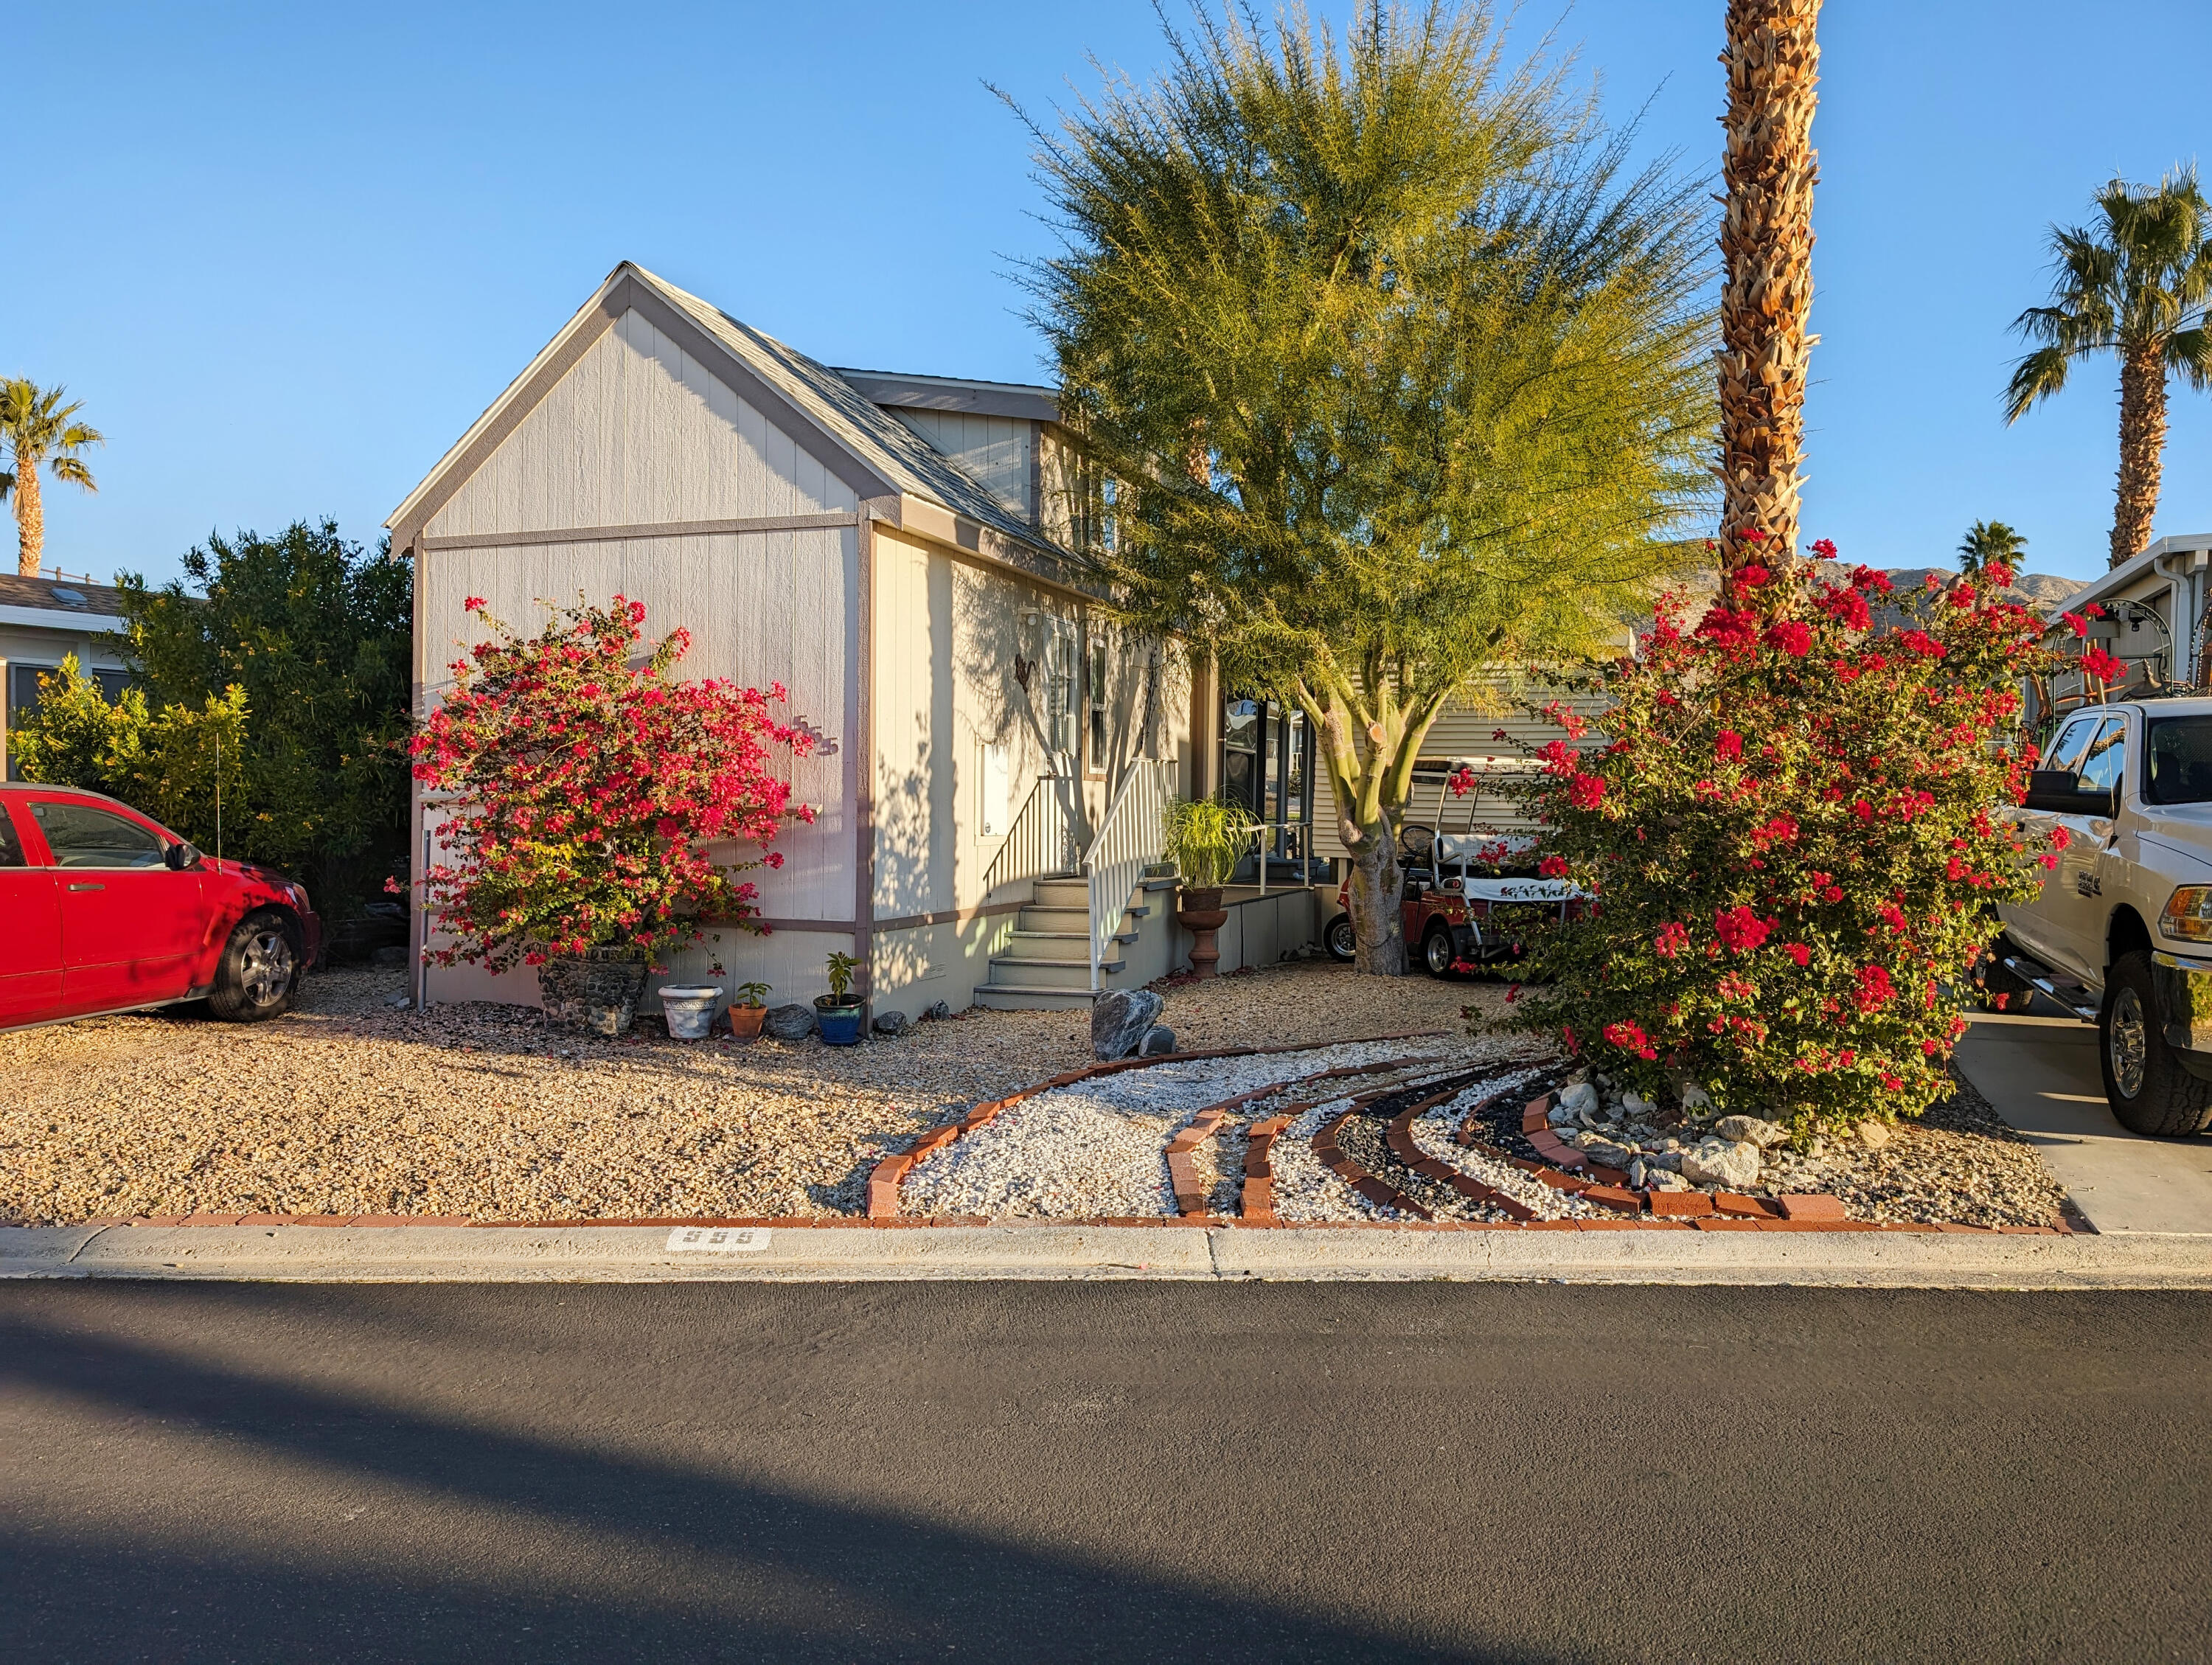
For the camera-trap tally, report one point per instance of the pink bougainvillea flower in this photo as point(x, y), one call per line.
point(472, 604)
point(1799, 952)
point(1586, 791)
point(1553, 866)
point(1741, 929)
point(1728, 745)
point(2102, 666)
point(1673, 939)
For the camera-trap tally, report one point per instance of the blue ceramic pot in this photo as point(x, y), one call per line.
point(840, 1024)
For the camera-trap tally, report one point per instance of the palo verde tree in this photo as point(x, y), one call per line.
point(1399, 375)
point(2138, 285)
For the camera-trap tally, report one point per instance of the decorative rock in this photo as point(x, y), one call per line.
point(891, 1023)
point(1561, 1116)
point(940, 1009)
point(1605, 1150)
point(1578, 1097)
point(1639, 1176)
point(1695, 1098)
point(1159, 1041)
point(1669, 1161)
point(1732, 1164)
point(397, 1000)
point(1121, 1020)
point(1764, 1135)
point(1658, 1179)
point(1636, 1105)
point(1872, 1134)
point(789, 1023)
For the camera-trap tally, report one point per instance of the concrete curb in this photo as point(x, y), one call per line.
point(642, 1254)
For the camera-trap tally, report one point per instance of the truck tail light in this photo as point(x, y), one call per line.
point(2189, 914)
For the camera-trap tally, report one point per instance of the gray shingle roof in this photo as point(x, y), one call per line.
point(894, 450)
point(55, 593)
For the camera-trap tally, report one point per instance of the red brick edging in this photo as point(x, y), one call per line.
point(883, 1179)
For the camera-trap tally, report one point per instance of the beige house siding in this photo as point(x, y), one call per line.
point(998, 451)
point(638, 433)
point(43, 649)
point(947, 633)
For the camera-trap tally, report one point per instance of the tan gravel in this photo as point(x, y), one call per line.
point(346, 1106)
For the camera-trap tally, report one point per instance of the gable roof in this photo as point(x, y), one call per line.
point(892, 456)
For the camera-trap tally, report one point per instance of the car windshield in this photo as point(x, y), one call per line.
point(2179, 769)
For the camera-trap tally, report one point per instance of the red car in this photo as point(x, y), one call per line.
point(102, 909)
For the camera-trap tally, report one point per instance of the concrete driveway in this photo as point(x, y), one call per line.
point(2039, 1073)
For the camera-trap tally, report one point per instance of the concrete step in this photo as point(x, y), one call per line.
point(1064, 893)
point(1053, 921)
point(1049, 945)
point(1009, 997)
point(1012, 969)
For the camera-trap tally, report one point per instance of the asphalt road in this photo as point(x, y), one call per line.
point(1100, 1471)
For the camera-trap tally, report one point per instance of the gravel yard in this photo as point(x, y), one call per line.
point(347, 1106)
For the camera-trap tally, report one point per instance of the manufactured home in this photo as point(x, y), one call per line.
point(43, 620)
point(897, 551)
point(2156, 609)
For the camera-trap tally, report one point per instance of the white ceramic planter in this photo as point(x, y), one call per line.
point(691, 1012)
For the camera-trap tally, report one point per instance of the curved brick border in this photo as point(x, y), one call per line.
point(883, 1179)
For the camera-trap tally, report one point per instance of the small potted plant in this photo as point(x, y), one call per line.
point(838, 1012)
point(1206, 838)
point(749, 1010)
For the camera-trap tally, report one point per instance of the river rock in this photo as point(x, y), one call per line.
point(1578, 1097)
point(789, 1023)
point(1732, 1163)
point(1764, 1135)
point(1159, 1041)
point(1121, 1020)
point(1635, 1105)
point(891, 1023)
point(1659, 1179)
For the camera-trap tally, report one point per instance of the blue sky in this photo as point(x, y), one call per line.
point(286, 254)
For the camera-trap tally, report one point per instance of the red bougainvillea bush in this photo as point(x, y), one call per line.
point(588, 787)
point(1790, 837)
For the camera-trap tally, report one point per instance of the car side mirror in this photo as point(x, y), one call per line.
point(2058, 792)
point(178, 857)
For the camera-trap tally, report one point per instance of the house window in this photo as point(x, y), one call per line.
point(1059, 693)
point(1097, 705)
point(1267, 768)
point(23, 695)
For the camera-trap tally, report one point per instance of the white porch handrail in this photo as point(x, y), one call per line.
point(1129, 839)
point(1042, 841)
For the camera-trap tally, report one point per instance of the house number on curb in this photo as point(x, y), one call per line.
point(718, 1240)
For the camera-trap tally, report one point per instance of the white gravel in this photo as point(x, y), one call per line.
point(1432, 1136)
point(1100, 1147)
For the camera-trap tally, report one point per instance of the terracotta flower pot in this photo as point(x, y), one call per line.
point(596, 990)
point(1202, 914)
point(746, 1021)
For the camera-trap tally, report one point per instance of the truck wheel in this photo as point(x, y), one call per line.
point(1342, 943)
point(259, 971)
point(2149, 1089)
point(1436, 951)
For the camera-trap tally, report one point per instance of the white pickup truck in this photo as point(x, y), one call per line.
point(2122, 934)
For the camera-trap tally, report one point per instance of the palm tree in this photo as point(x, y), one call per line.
point(2135, 286)
point(1773, 60)
point(1989, 542)
point(39, 429)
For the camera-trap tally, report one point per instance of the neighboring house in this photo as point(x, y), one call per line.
point(42, 621)
point(2155, 623)
point(894, 549)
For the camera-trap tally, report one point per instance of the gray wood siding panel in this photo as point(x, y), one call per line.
point(761, 607)
point(640, 432)
point(995, 450)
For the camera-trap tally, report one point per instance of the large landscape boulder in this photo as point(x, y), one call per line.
point(789, 1023)
point(1121, 1020)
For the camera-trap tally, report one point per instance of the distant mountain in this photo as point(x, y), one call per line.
point(2043, 591)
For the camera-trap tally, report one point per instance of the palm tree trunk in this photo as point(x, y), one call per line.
point(1773, 58)
point(2142, 444)
point(30, 519)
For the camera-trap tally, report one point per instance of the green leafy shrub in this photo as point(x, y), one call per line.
point(166, 763)
point(1795, 838)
